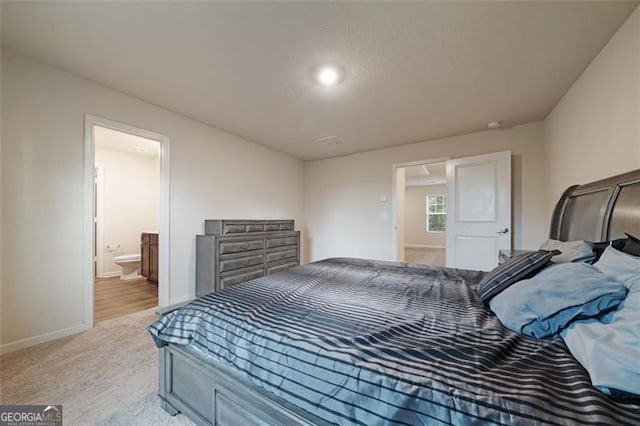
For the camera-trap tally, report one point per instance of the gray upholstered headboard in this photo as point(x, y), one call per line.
point(599, 211)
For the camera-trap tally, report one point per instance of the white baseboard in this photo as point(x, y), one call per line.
point(41, 338)
point(110, 274)
point(178, 300)
point(422, 246)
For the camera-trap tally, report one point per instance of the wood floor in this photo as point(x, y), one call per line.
point(114, 297)
point(428, 256)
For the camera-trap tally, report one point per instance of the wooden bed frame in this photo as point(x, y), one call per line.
point(210, 394)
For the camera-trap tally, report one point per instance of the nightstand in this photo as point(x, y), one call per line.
point(504, 255)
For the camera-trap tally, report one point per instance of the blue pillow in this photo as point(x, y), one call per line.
point(571, 251)
point(515, 269)
point(620, 266)
point(545, 304)
point(609, 348)
point(600, 247)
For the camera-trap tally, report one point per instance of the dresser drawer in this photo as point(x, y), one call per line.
point(289, 252)
point(234, 251)
point(280, 242)
point(270, 227)
point(227, 247)
point(277, 267)
point(233, 228)
point(240, 276)
point(235, 262)
point(255, 227)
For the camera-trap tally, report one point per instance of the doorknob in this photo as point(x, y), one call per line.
point(503, 231)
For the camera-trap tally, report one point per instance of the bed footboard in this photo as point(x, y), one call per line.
point(210, 396)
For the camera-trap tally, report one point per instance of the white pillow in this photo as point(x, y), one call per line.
point(572, 251)
point(621, 266)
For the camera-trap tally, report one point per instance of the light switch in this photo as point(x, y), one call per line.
point(384, 198)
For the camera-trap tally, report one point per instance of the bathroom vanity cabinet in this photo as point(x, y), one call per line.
point(149, 256)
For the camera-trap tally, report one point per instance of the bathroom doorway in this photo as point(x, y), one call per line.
point(129, 220)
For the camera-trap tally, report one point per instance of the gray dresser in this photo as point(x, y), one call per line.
point(235, 251)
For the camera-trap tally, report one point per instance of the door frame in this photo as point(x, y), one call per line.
point(164, 214)
point(394, 197)
point(99, 221)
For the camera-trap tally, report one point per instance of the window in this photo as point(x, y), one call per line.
point(436, 213)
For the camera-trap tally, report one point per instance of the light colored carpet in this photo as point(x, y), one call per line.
point(105, 376)
point(427, 256)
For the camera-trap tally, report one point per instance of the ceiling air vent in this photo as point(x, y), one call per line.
point(330, 141)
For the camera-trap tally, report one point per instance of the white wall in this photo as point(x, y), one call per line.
point(213, 175)
point(416, 216)
point(343, 211)
point(401, 178)
point(131, 202)
point(594, 131)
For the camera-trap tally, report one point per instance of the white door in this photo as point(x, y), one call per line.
point(478, 210)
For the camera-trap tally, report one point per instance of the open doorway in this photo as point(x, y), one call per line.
point(473, 213)
point(126, 215)
point(425, 210)
point(127, 242)
point(421, 208)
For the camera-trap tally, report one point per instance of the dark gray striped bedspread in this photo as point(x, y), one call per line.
point(362, 342)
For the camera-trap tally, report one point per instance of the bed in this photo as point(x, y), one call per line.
point(353, 341)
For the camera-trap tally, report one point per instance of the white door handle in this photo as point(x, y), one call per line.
point(503, 231)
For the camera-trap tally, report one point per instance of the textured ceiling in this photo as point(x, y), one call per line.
point(417, 176)
point(414, 70)
point(120, 141)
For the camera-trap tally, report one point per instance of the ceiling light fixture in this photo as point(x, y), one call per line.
point(493, 124)
point(330, 141)
point(328, 75)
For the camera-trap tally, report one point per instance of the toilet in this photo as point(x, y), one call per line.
point(129, 265)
